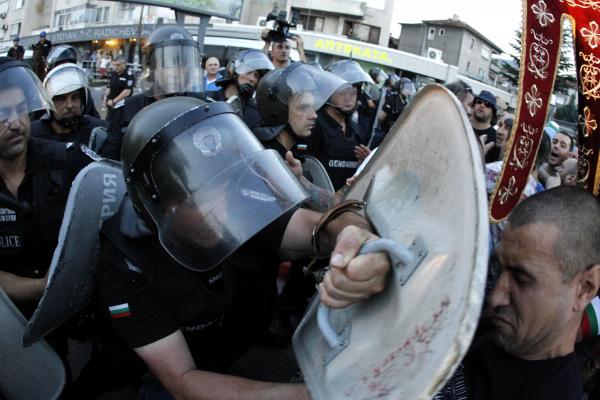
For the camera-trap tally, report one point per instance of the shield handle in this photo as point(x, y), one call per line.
point(404, 260)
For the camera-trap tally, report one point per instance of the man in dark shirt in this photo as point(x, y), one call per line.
point(484, 112)
point(35, 172)
point(43, 45)
point(67, 86)
point(17, 51)
point(549, 273)
point(121, 85)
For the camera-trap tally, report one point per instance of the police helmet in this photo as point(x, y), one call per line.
point(279, 87)
point(18, 76)
point(61, 54)
point(246, 61)
point(66, 78)
point(172, 63)
point(197, 173)
point(406, 87)
point(350, 71)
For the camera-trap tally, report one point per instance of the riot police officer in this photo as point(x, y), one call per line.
point(172, 67)
point(35, 177)
point(243, 73)
point(67, 85)
point(395, 101)
point(335, 136)
point(183, 272)
point(288, 99)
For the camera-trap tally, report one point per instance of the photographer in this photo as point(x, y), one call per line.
point(277, 45)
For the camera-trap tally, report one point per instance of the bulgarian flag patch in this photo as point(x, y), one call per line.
point(589, 324)
point(119, 311)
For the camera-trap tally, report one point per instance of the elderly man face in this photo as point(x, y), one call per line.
point(212, 66)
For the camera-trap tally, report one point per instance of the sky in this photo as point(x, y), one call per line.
point(495, 19)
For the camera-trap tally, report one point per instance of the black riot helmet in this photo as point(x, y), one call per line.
point(172, 63)
point(197, 173)
point(21, 91)
point(280, 87)
point(352, 72)
point(61, 54)
point(246, 61)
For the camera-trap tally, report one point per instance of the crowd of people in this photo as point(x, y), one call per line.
point(218, 203)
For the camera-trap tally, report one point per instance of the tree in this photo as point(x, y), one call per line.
point(565, 77)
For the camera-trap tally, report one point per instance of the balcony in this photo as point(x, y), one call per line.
point(344, 7)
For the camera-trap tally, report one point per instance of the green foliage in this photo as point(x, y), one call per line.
point(568, 112)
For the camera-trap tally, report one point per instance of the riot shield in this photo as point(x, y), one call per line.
point(95, 196)
point(35, 372)
point(426, 195)
point(317, 172)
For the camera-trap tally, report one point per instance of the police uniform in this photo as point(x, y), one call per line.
point(150, 296)
point(366, 118)
point(120, 82)
point(334, 148)
point(44, 47)
point(393, 107)
point(27, 242)
point(42, 128)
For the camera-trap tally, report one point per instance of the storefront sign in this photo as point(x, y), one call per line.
point(230, 9)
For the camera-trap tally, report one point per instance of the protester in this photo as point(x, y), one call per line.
point(549, 273)
point(211, 74)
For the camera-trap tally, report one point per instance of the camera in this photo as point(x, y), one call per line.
point(282, 26)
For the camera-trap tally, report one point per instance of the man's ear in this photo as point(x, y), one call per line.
point(588, 286)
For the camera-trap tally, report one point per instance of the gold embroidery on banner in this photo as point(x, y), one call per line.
point(589, 76)
point(507, 191)
point(539, 57)
point(533, 100)
point(593, 4)
point(583, 169)
point(524, 148)
point(586, 120)
point(541, 13)
point(592, 35)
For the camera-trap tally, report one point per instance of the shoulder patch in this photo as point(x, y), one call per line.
point(90, 153)
point(119, 310)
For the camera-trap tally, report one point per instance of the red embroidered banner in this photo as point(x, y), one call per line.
point(541, 42)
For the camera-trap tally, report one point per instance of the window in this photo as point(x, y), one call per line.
point(441, 32)
point(365, 33)
point(486, 53)
point(468, 65)
point(472, 44)
point(312, 23)
point(15, 29)
point(19, 4)
point(431, 34)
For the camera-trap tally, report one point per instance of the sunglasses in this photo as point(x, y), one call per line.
point(485, 103)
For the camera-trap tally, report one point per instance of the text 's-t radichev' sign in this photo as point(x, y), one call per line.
point(229, 9)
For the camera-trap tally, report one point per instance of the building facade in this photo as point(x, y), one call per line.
point(351, 18)
point(453, 42)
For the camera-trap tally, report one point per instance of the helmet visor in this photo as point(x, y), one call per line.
point(217, 188)
point(65, 78)
point(352, 73)
point(22, 92)
point(253, 61)
point(307, 78)
point(172, 70)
